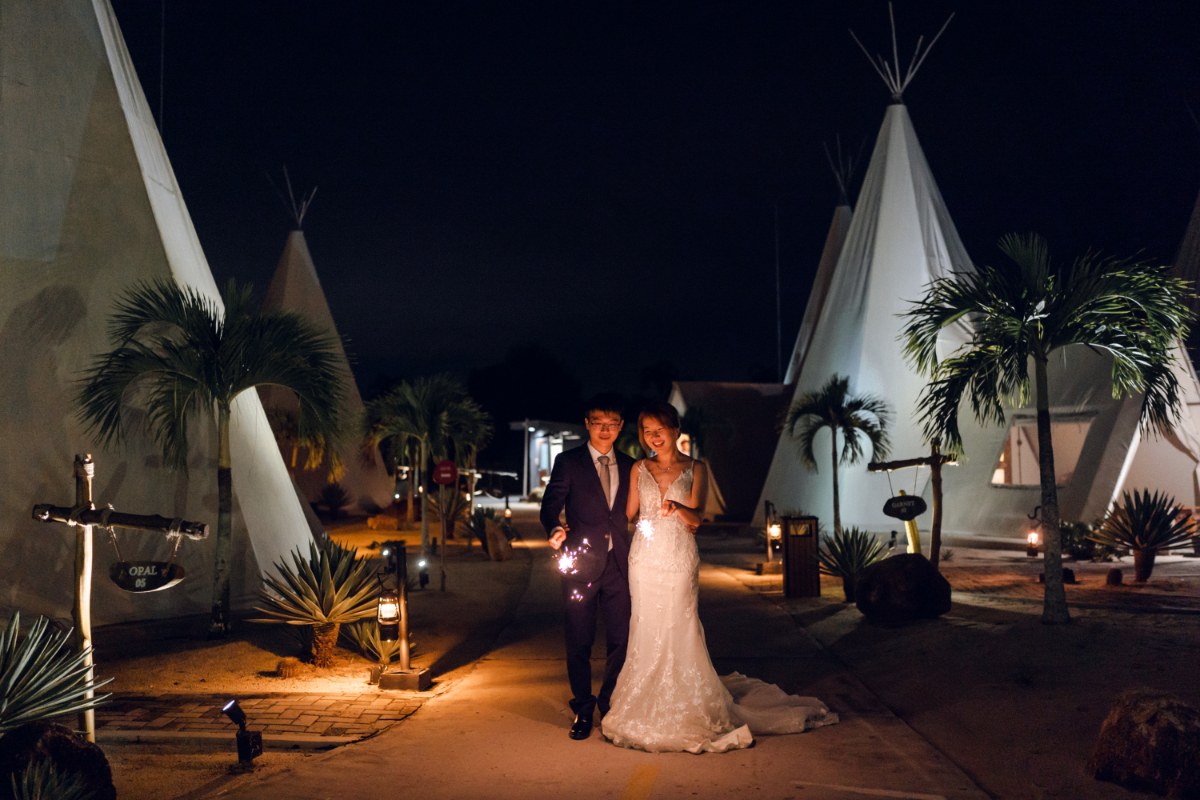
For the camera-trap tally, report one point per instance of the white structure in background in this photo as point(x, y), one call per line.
point(544, 441)
point(901, 238)
point(89, 205)
point(296, 287)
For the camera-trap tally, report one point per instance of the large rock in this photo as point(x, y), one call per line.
point(71, 756)
point(498, 547)
point(901, 588)
point(1150, 742)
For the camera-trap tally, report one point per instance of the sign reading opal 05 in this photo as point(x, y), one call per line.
point(907, 507)
point(145, 576)
point(445, 473)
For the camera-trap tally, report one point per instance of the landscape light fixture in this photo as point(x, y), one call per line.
point(1032, 539)
point(249, 743)
point(423, 574)
point(507, 510)
point(389, 616)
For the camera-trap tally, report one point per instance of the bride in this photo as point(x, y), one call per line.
point(668, 697)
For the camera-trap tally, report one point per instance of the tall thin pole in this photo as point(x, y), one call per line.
point(778, 306)
point(85, 470)
point(162, 60)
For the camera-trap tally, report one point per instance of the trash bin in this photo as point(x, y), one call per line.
point(801, 577)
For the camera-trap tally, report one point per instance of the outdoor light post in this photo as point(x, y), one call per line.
point(774, 529)
point(1032, 539)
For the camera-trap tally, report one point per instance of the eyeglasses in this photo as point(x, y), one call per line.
point(606, 426)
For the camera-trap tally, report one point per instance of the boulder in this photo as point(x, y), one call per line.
point(497, 543)
point(1114, 577)
point(901, 588)
point(1150, 742)
point(72, 757)
point(383, 522)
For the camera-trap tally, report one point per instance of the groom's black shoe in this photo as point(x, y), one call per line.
point(582, 728)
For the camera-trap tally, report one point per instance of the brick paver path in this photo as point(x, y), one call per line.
point(271, 712)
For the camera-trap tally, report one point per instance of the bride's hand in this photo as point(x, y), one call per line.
point(669, 507)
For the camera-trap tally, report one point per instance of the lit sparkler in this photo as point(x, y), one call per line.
point(646, 528)
point(575, 595)
point(566, 559)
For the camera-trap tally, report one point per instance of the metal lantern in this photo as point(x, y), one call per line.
point(389, 616)
point(1032, 541)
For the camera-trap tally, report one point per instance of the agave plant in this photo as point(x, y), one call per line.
point(847, 553)
point(1146, 525)
point(332, 586)
point(476, 524)
point(42, 780)
point(40, 676)
point(364, 637)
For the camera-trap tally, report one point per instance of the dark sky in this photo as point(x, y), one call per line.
point(601, 177)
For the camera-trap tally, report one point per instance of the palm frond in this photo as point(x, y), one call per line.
point(860, 419)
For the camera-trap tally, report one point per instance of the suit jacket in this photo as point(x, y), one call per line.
point(575, 485)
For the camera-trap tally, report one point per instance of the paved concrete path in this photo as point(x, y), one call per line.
point(501, 729)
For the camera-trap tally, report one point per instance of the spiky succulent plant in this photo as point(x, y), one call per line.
point(1146, 525)
point(40, 676)
point(330, 587)
point(846, 554)
point(364, 637)
point(42, 780)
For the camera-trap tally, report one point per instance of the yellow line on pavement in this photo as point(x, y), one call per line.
point(641, 784)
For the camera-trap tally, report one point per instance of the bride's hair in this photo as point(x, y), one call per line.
point(661, 412)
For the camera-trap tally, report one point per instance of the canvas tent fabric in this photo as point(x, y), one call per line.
point(901, 238)
point(839, 226)
point(737, 442)
point(89, 205)
point(296, 287)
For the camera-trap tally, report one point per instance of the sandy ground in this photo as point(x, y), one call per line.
point(449, 630)
point(1015, 704)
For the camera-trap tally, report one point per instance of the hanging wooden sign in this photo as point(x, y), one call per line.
point(906, 507)
point(145, 576)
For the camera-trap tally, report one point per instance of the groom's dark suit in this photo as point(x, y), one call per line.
point(601, 583)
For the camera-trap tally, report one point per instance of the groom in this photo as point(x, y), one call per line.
point(592, 483)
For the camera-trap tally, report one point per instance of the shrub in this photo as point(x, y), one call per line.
point(40, 675)
point(332, 586)
point(1146, 525)
point(1077, 544)
point(847, 554)
point(335, 497)
point(363, 636)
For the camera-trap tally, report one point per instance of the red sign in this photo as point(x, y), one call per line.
point(445, 473)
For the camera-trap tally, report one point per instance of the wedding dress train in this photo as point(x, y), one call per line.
point(668, 697)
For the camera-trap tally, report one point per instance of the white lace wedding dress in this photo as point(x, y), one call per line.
point(668, 697)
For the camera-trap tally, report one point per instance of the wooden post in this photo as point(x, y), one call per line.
point(85, 470)
point(936, 460)
point(443, 509)
point(402, 590)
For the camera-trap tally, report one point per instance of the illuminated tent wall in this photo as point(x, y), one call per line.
point(839, 226)
point(901, 237)
point(296, 287)
point(89, 205)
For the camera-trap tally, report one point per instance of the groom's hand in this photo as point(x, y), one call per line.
point(558, 537)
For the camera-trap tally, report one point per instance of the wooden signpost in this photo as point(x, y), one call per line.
point(133, 576)
point(445, 473)
point(935, 461)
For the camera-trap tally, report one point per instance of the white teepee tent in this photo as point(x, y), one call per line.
point(296, 287)
point(89, 205)
point(900, 239)
point(839, 226)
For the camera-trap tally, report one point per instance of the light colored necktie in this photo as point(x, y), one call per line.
point(604, 479)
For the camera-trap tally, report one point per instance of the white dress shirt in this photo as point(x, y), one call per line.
point(614, 478)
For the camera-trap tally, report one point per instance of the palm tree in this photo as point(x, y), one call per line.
point(856, 417)
point(434, 413)
point(286, 426)
point(1025, 311)
point(193, 360)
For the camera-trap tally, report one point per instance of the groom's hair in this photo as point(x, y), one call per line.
point(606, 403)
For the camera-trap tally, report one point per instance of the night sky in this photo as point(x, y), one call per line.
point(601, 178)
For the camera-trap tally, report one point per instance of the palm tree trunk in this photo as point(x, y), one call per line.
point(837, 509)
point(411, 511)
point(324, 639)
point(1054, 609)
point(424, 509)
point(220, 602)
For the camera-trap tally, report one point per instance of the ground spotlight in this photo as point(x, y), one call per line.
point(249, 743)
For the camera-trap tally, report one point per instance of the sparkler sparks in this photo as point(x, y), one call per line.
point(646, 528)
point(566, 559)
point(575, 595)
